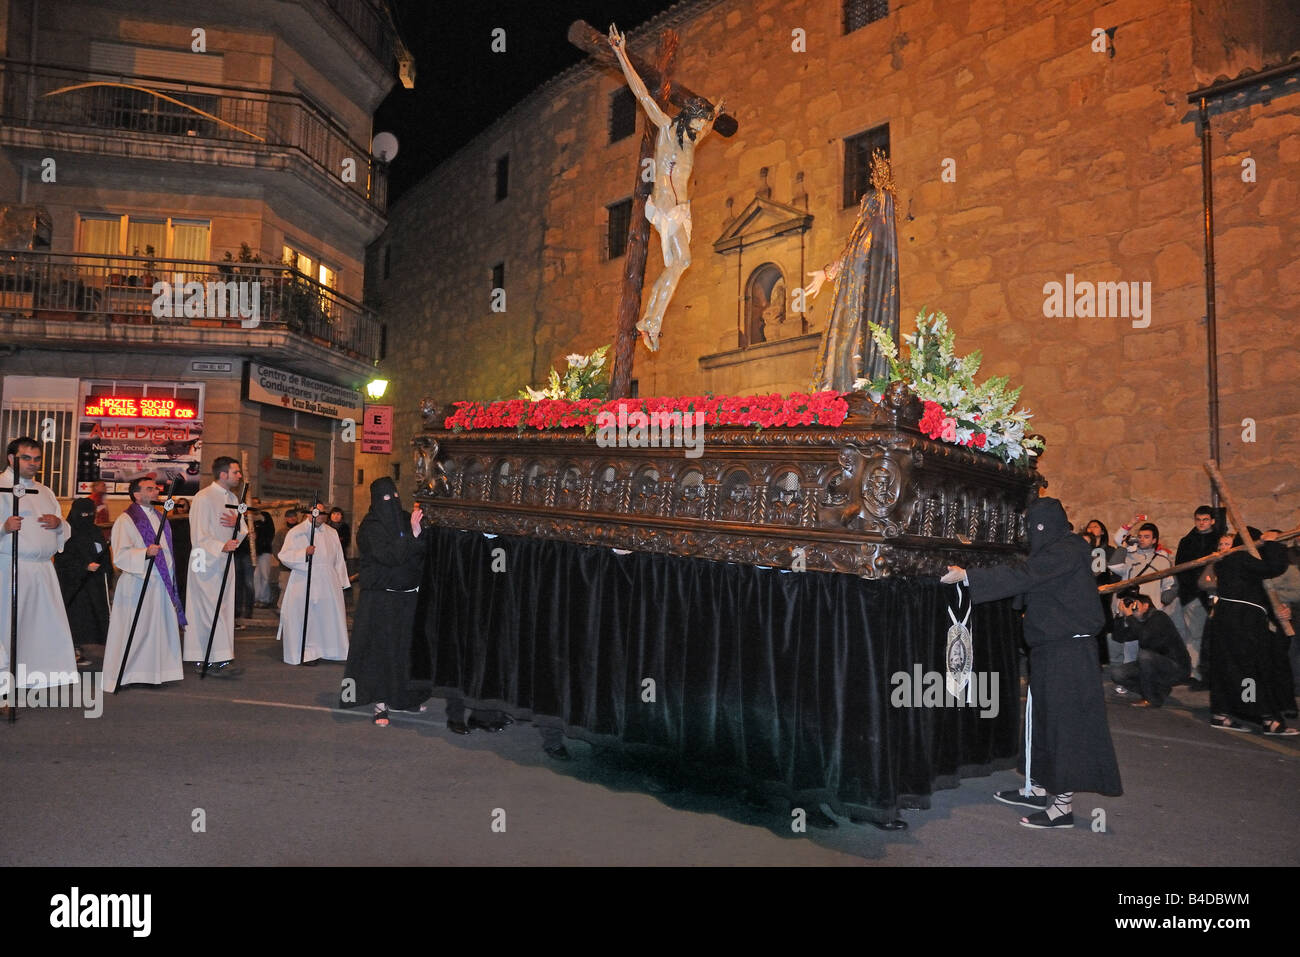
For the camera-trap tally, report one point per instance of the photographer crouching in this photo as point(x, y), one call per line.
point(1162, 660)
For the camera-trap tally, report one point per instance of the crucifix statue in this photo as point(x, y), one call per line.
point(669, 207)
point(668, 152)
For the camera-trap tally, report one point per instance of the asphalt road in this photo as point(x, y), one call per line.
point(275, 775)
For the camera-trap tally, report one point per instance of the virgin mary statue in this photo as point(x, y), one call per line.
point(866, 290)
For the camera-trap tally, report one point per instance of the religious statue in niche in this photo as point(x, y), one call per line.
point(866, 290)
point(669, 205)
point(765, 305)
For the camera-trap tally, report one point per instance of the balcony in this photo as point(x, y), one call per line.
point(160, 119)
point(55, 300)
point(368, 24)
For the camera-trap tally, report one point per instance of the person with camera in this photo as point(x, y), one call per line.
point(1141, 555)
point(1162, 659)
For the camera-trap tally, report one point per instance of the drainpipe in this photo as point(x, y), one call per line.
point(1211, 328)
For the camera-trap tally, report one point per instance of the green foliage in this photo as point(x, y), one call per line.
point(936, 373)
point(587, 377)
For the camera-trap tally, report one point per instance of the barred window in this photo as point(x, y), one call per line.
point(620, 220)
point(622, 114)
point(858, 13)
point(32, 418)
point(857, 161)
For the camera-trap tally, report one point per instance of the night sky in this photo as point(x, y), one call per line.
point(461, 86)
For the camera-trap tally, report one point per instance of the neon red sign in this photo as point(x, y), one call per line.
point(134, 407)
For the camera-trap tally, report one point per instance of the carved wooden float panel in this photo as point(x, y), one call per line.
point(872, 497)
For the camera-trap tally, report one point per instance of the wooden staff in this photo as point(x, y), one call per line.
point(15, 490)
point(240, 509)
point(306, 605)
point(1244, 532)
point(1186, 566)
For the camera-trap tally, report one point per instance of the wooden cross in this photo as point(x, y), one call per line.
point(592, 41)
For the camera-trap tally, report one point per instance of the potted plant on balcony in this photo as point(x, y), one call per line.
point(150, 265)
point(302, 306)
point(228, 271)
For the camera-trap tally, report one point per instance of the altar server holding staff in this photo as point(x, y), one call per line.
point(214, 518)
point(37, 532)
point(314, 546)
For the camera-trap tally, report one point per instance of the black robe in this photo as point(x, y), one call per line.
point(1243, 647)
point(1194, 545)
point(85, 593)
point(1071, 748)
point(392, 567)
point(181, 545)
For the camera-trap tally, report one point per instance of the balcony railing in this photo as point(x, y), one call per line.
point(120, 289)
point(369, 25)
point(57, 98)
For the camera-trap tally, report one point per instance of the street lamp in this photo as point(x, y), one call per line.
point(376, 388)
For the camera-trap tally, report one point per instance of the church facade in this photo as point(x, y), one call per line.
point(1048, 158)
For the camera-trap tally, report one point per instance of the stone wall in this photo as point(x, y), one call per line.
point(1067, 161)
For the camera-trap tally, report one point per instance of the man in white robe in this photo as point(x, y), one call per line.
point(213, 514)
point(156, 647)
point(327, 623)
point(46, 658)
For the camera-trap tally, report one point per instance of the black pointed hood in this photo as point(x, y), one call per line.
point(1045, 523)
point(389, 510)
point(81, 516)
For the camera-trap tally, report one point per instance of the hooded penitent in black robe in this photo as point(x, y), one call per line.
point(181, 542)
point(1243, 646)
point(85, 593)
point(392, 565)
point(1071, 749)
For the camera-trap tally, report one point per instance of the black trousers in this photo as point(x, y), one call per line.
point(1153, 673)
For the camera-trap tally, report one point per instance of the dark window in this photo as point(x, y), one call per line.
point(622, 114)
point(858, 13)
point(499, 276)
point(503, 177)
point(388, 261)
point(857, 161)
point(620, 219)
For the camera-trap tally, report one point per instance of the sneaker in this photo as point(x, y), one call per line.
point(1120, 689)
point(1043, 822)
point(1020, 799)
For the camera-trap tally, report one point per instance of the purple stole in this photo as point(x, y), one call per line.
point(147, 532)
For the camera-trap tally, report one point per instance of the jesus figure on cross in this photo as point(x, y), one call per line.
point(669, 205)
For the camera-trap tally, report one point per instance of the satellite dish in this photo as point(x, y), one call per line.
point(384, 147)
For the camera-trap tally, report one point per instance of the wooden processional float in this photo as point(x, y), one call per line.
point(871, 497)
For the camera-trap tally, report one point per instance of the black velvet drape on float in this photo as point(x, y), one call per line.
point(785, 677)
